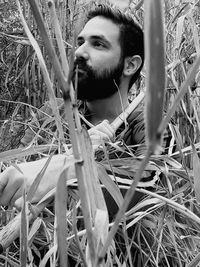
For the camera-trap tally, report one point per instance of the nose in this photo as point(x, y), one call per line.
point(81, 51)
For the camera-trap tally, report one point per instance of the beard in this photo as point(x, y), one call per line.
point(92, 85)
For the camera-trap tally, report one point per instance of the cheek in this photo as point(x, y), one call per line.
point(104, 62)
point(99, 59)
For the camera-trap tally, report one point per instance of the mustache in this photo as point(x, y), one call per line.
point(81, 64)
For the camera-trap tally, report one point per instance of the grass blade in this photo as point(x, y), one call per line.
point(58, 33)
point(184, 88)
point(37, 180)
point(169, 224)
point(24, 232)
point(196, 172)
point(48, 82)
point(195, 261)
point(60, 211)
point(155, 56)
point(23, 152)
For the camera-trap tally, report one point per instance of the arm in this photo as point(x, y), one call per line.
point(12, 180)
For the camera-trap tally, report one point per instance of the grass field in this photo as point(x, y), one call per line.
point(72, 221)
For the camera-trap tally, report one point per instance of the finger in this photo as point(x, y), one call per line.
point(108, 129)
point(18, 203)
point(94, 133)
point(14, 183)
point(8, 194)
point(105, 128)
point(3, 181)
point(100, 136)
point(17, 199)
point(109, 126)
point(98, 139)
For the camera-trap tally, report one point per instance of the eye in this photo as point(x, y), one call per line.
point(80, 42)
point(99, 44)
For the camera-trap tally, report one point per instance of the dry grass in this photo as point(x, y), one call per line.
point(163, 228)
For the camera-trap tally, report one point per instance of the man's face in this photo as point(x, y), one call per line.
point(98, 58)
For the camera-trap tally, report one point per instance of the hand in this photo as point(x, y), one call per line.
point(11, 186)
point(101, 133)
point(12, 181)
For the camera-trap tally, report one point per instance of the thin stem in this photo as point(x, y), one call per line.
point(190, 78)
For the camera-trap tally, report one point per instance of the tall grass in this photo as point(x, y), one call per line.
point(80, 228)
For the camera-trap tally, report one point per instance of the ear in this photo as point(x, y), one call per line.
point(131, 65)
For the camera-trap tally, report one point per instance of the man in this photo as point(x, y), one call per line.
point(109, 57)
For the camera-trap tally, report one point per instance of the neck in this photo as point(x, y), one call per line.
point(108, 108)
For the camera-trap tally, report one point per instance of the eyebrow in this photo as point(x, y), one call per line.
point(96, 38)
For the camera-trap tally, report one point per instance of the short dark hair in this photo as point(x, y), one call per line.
point(131, 35)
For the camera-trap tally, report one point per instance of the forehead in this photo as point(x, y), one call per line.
point(100, 26)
